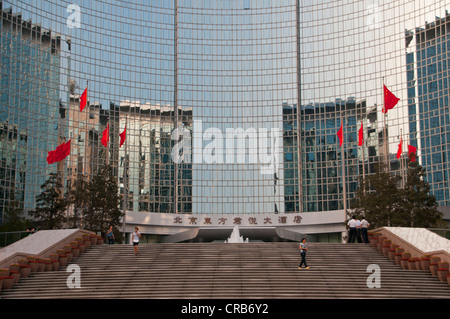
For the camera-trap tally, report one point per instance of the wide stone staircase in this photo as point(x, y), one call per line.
point(219, 270)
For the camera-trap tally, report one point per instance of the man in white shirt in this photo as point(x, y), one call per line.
point(364, 225)
point(352, 232)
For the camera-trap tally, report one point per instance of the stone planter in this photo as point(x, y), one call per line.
point(412, 264)
point(448, 279)
point(76, 252)
point(14, 267)
point(67, 248)
point(82, 248)
point(404, 263)
point(15, 275)
point(385, 250)
point(99, 240)
point(425, 263)
point(69, 256)
point(48, 265)
point(442, 274)
point(25, 271)
point(391, 254)
point(418, 264)
point(23, 261)
point(41, 265)
point(434, 259)
point(63, 261)
point(398, 258)
point(34, 265)
point(55, 264)
point(93, 240)
point(433, 269)
point(87, 244)
point(374, 242)
point(443, 265)
point(7, 282)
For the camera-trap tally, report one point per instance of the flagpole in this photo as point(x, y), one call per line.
point(384, 130)
point(125, 181)
point(344, 186)
point(86, 140)
point(86, 137)
point(401, 159)
point(363, 160)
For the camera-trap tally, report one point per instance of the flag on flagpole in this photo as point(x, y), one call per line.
point(83, 100)
point(412, 150)
point(361, 135)
point(105, 136)
point(60, 153)
point(400, 148)
point(123, 136)
point(340, 135)
point(390, 100)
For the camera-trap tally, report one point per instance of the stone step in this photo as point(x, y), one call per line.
point(214, 270)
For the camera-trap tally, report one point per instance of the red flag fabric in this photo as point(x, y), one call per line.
point(390, 100)
point(361, 135)
point(83, 100)
point(123, 136)
point(105, 136)
point(400, 148)
point(340, 135)
point(412, 150)
point(60, 153)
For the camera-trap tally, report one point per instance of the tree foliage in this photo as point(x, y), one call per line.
point(50, 204)
point(102, 209)
point(383, 203)
point(13, 219)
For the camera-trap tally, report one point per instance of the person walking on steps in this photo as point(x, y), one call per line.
point(135, 237)
point(303, 249)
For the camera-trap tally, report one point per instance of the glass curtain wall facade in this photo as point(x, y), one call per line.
point(428, 101)
point(230, 107)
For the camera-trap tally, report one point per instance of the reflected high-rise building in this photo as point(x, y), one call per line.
point(231, 108)
point(30, 110)
point(428, 102)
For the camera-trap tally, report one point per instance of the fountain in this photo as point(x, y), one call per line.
point(235, 236)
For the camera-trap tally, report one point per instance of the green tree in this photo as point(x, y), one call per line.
point(419, 205)
point(103, 202)
point(77, 198)
point(379, 199)
point(13, 219)
point(50, 204)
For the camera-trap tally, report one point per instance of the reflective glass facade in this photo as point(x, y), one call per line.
point(230, 107)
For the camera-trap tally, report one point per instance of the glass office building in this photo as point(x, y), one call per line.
point(231, 108)
point(428, 101)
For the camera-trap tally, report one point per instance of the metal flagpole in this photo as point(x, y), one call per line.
point(344, 185)
point(125, 181)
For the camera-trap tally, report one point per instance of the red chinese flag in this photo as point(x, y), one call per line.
point(105, 136)
point(361, 135)
point(83, 100)
point(412, 150)
point(123, 136)
point(400, 148)
point(60, 153)
point(390, 100)
point(340, 135)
